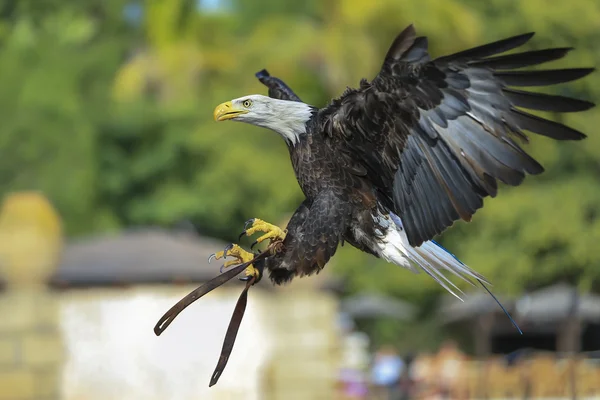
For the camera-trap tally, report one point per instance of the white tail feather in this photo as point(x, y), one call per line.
point(430, 257)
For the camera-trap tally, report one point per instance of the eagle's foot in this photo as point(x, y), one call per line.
point(271, 231)
point(252, 272)
point(241, 256)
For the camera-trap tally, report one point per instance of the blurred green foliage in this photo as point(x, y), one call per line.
point(106, 106)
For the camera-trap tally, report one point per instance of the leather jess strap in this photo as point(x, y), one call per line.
point(232, 330)
point(236, 319)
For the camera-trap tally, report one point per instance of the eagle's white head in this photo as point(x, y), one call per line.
point(288, 118)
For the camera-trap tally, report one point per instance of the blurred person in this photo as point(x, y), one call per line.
point(353, 384)
point(387, 369)
point(423, 374)
point(448, 359)
point(407, 381)
point(352, 379)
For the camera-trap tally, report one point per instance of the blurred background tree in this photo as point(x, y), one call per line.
point(106, 106)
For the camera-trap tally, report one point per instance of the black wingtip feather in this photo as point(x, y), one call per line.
point(490, 49)
point(542, 78)
point(543, 126)
point(402, 43)
point(521, 60)
point(546, 102)
point(263, 73)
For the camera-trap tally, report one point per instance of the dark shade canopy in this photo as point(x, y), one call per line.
point(138, 256)
point(557, 303)
point(375, 306)
point(473, 306)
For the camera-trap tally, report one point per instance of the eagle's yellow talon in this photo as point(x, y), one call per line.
point(240, 255)
point(231, 264)
point(250, 271)
point(269, 235)
point(272, 232)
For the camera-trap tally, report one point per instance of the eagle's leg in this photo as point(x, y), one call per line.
point(241, 256)
point(271, 231)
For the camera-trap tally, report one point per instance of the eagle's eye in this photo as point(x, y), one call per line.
point(247, 103)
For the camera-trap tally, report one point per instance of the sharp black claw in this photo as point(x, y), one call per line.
point(226, 249)
point(241, 234)
point(253, 244)
point(222, 269)
point(245, 278)
point(211, 257)
point(248, 223)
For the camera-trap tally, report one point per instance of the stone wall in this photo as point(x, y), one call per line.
point(30, 343)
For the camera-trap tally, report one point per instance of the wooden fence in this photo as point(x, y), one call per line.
point(539, 375)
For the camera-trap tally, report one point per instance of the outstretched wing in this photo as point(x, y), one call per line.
point(435, 136)
point(277, 88)
point(313, 235)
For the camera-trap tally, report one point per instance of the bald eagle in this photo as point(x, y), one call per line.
point(388, 166)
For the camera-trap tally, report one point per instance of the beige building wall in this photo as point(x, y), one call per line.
point(305, 359)
point(286, 346)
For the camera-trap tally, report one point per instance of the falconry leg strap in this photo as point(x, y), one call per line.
point(240, 307)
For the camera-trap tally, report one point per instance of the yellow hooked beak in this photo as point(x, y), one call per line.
point(227, 111)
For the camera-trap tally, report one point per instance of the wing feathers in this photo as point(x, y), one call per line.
point(436, 135)
point(277, 88)
point(417, 53)
point(432, 172)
